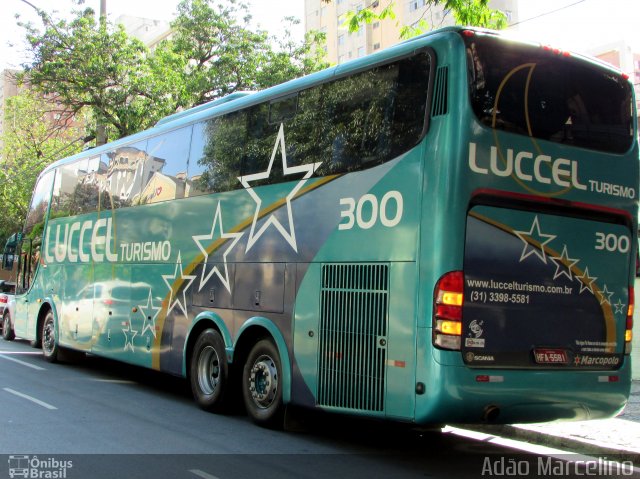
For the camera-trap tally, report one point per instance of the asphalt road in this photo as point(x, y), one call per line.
point(100, 419)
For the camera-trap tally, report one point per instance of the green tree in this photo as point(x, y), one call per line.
point(465, 12)
point(215, 52)
point(92, 64)
point(34, 136)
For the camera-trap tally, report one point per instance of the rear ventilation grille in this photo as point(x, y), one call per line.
point(353, 330)
point(440, 103)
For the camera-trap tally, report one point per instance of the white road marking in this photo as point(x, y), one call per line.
point(24, 363)
point(29, 398)
point(202, 474)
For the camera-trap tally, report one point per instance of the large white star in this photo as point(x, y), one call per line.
point(188, 278)
point(530, 238)
point(586, 281)
point(204, 277)
point(149, 316)
point(129, 334)
point(564, 264)
point(308, 170)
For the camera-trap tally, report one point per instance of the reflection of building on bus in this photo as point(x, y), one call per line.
point(129, 169)
point(163, 187)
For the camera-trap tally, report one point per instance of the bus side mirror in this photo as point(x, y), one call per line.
point(8, 256)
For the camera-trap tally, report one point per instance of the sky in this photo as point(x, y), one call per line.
point(267, 14)
point(579, 25)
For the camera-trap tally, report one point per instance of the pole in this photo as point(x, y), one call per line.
point(101, 133)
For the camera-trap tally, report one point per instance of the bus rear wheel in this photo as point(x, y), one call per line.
point(262, 385)
point(49, 333)
point(7, 331)
point(209, 372)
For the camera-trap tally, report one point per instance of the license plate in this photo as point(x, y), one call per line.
point(550, 356)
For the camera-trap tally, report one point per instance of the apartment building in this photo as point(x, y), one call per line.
point(342, 46)
point(8, 88)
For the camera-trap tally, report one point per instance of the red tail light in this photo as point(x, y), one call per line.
point(447, 318)
point(628, 332)
point(4, 298)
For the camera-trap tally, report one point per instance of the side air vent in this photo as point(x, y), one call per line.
point(440, 102)
point(353, 336)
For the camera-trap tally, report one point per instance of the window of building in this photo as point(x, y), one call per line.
point(376, 46)
point(361, 52)
point(340, 40)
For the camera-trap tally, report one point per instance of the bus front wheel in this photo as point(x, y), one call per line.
point(7, 330)
point(262, 385)
point(50, 348)
point(209, 371)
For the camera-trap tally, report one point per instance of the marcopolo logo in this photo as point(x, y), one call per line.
point(38, 468)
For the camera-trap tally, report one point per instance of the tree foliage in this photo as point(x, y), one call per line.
point(92, 64)
point(465, 12)
point(93, 69)
point(30, 142)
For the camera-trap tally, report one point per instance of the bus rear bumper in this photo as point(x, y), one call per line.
point(464, 395)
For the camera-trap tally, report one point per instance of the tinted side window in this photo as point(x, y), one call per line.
point(165, 174)
point(216, 152)
point(126, 167)
point(349, 124)
point(63, 202)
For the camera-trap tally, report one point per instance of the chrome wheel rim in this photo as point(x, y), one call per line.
point(263, 381)
point(208, 370)
point(48, 337)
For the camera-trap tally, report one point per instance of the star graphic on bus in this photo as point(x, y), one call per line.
point(185, 278)
point(532, 238)
point(288, 234)
point(204, 277)
point(586, 281)
point(605, 296)
point(564, 264)
point(129, 334)
point(149, 316)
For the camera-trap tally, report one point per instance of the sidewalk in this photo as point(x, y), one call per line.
point(619, 437)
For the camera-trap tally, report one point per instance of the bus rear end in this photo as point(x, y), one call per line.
point(537, 323)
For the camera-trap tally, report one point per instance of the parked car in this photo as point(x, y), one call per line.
point(7, 305)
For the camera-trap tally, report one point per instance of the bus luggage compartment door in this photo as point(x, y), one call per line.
point(544, 291)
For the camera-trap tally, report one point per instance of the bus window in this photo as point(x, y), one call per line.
point(170, 150)
point(73, 191)
point(568, 101)
point(216, 151)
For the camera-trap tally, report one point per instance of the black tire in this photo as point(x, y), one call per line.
point(49, 338)
point(209, 371)
point(7, 331)
point(262, 385)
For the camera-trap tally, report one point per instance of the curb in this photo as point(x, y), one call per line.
point(571, 445)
